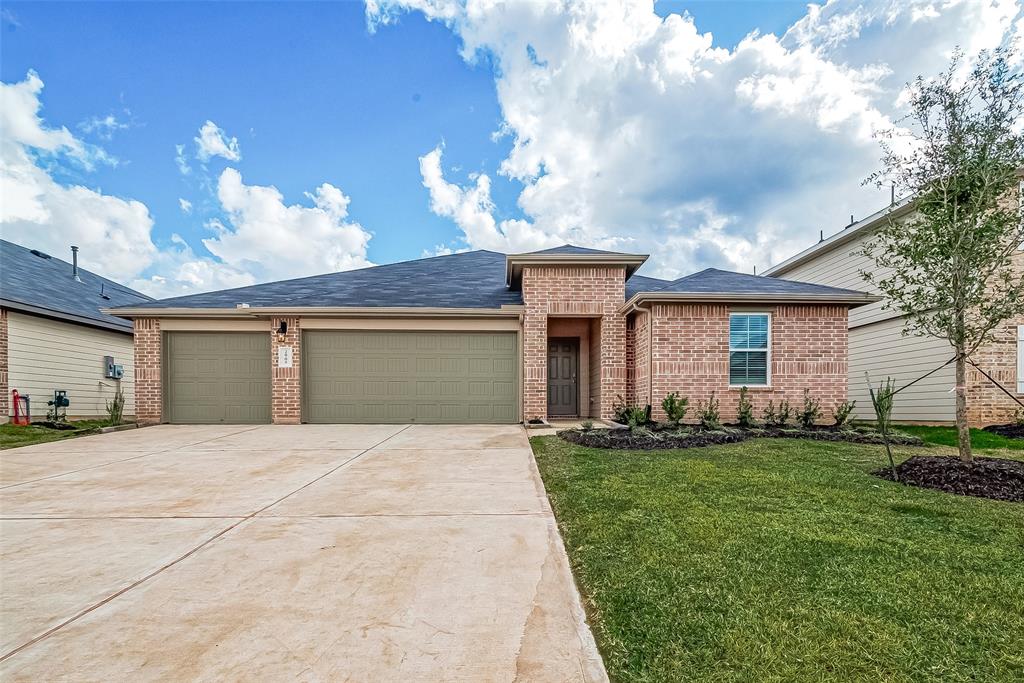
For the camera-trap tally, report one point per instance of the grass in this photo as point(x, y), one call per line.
point(13, 436)
point(946, 436)
point(785, 560)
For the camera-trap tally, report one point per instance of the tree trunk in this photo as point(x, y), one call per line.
point(963, 430)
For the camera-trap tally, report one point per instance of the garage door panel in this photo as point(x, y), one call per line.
point(218, 377)
point(399, 377)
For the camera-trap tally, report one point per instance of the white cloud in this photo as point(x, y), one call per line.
point(181, 161)
point(274, 240)
point(103, 127)
point(214, 142)
point(264, 239)
point(632, 130)
point(112, 232)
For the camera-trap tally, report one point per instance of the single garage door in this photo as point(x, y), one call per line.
point(400, 377)
point(215, 377)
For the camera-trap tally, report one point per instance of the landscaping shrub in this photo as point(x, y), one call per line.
point(842, 414)
point(675, 407)
point(810, 412)
point(882, 400)
point(710, 418)
point(587, 425)
point(115, 407)
point(745, 410)
point(777, 417)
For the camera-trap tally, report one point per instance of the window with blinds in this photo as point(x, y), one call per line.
point(749, 349)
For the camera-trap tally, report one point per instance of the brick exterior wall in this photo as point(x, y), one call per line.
point(286, 383)
point(582, 291)
point(5, 389)
point(149, 398)
point(986, 404)
point(691, 356)
point(641, 358)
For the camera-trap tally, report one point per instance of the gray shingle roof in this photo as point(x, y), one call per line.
point(571, 249)
point(714, 281)
point(642, 283)
point(45, 285)
point(472, 279)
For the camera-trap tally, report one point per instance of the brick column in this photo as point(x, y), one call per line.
point(149, 398)
point(5, 389)
point(535, 365)
point(286, 383)
point(613, 362)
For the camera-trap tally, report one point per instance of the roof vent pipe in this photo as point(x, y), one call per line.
point(74, 263)
point(892, 194)
point(821, 236)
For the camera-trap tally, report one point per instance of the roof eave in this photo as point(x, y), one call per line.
point(506, 311)
point(515, 262)
point(853, 301)
point(66, 317)
point(847, 234)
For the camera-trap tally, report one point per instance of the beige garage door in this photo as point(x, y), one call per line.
point(400, 377)
point(218, 377)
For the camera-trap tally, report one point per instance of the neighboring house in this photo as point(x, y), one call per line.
point(879, 348)
point(484, 337)
point(53, 334)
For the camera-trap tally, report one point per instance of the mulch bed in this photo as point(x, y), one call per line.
point(994, 478)
point(662, 437)
point(59, 426)
point(1010, 431)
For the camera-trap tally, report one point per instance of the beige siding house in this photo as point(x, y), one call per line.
point(53, 335)
point(879, 349)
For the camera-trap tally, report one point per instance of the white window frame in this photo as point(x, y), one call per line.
point(768, 357)
point(1020, 359)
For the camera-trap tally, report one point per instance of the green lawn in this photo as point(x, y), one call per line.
point(946, 436)
point(12, 436)
point(784, 560)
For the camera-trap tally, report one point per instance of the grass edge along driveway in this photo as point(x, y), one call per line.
point(785, 560)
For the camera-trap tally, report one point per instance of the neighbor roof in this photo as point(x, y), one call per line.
point(34, 282)
point(472, 279)
point(713, 284)
point(844, 236)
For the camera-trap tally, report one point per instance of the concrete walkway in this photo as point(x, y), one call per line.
point(313, 553)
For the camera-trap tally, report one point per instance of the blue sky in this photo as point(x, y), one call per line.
point(372, 101)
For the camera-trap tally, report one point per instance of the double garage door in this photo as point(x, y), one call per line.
point(348, 376)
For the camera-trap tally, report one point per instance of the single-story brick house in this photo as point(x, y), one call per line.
point(486, 337)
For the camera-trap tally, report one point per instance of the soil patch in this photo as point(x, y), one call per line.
point(994, 478)
point(1010, 431)
point(662, 437)
point(60, 426)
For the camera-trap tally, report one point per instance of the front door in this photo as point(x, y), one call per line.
point(563, 370)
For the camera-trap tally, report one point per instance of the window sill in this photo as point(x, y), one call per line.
point(750, 387)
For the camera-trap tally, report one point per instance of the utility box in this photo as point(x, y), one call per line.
point(112, 370)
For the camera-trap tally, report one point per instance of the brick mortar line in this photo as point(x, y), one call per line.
point(49, 632)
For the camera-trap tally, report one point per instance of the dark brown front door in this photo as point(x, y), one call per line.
point(563, 370)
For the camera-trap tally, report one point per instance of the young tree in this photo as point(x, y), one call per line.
point(958, 154)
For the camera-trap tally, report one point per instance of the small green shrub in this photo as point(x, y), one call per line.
point(810, 412)
point(785, 412)
point(770, 415)
point(1018, 417)
point(587, 425)
point(115, 407)
point(882, 401)
point(675, 407)
point(745, 410)
point(708, 413)
point(629, 415)
point(842, 414)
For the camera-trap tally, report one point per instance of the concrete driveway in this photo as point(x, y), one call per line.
point(313, 552)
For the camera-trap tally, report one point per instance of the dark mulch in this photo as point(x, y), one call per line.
point(1010, 431)
point(62, 426)
point(663, 437)
point(994, 478)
